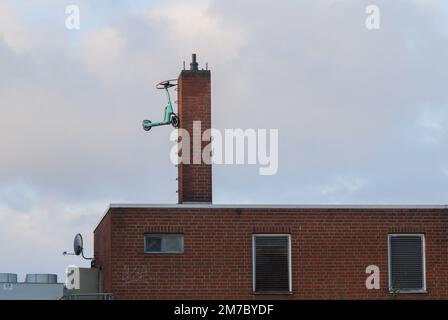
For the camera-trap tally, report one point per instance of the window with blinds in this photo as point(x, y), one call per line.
point(271, 263)
point(407, 263)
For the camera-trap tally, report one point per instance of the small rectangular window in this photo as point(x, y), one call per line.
point(407, 263)
point(271, 264)
point(164, 243)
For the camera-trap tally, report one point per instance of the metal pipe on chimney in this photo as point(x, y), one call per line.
point(194, 66)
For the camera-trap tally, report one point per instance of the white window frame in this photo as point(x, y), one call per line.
point(422, 237)
point(254, 261)
point(162, 235)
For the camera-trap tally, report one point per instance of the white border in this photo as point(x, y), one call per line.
point(422, 236)
point(289, 261)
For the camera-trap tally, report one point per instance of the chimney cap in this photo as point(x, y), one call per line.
point(194, 66)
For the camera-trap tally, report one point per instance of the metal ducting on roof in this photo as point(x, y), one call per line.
point(8, 278)
point(41, 278)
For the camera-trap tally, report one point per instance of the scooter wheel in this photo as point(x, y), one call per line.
point(175, 121)
point(147, 125)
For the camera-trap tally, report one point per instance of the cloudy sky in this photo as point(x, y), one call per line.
point(362, 114)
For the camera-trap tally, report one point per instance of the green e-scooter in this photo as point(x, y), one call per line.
point(170, 117)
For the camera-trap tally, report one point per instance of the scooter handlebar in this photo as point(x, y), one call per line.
point(166, 84)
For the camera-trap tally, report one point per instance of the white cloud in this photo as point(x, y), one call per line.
point(191, 26)
point(103, 48)
point(433, 123)
point(12, 31)
point(33, 238)
point(435, 119)
point(342, 187)
point(445, 172)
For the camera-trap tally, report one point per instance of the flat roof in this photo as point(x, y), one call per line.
point(277, 206)
point(269, 206)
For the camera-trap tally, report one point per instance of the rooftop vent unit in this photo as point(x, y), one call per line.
point(43, 278)
point(8, 278)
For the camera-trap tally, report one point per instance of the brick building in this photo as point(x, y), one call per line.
point(199, 250)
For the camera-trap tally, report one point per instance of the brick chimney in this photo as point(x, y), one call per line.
point(194, 103)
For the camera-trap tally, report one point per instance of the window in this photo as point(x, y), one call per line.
point(272, 263)
point(164, 243)
point(407, 263)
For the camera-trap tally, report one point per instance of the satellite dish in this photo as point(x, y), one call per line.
point(78, 244)
point(78, 247)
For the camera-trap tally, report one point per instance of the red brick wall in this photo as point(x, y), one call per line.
point(331, 249)
point(102, 251)
point(194, 100)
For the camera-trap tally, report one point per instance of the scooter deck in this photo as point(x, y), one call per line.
point(156, 124)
